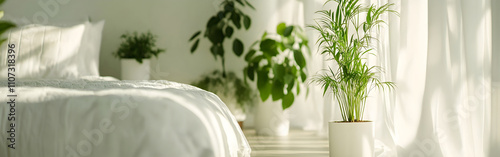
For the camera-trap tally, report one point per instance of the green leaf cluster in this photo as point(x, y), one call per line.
point(221, 27)
point(138, 46)
point(278, 65)
point(4, 25)
point(345, 35)
point(229, 86)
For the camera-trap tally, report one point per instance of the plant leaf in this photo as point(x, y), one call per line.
point(249, 55)
point(250, 5)
point(240, 2)
point(264, 35)
point(277, 90)
point(299, 58)
point(289, 79)
point(279, 71)
point(229, 7)
point(265, 92)
point(290, 85)
point(195, 35)
point(254, 43)
point(238, 47)
point(215, 35)
point(262, 78)
point(282, 46)
point(257, 59)
point(287, 100)
point(303, 76)
point(5, 25)
point(2, 41)
point(263, 84)
point(213, 21)
point(298, 89)
point(247, 22)
point(325, 88)
point(229, 31)
point(251, 73)
point(269, 47)
point(236, 19)
point(221, 14)
point(288, 31)
point(195, 46)
point(280, 29)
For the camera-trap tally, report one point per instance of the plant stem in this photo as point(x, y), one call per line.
point(223, 67)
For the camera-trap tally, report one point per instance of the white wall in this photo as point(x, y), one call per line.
point(495, 114)
point(496, 40)
point(174, 21)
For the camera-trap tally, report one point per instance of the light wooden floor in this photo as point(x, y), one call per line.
point(297, 144)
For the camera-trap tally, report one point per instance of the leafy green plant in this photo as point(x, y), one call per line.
point(4, 25)
point(138, 47)
point(221, 26)
point(346, 38)
point(279, 64)
point(231, 89)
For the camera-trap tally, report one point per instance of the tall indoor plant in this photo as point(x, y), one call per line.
point(220, 28)
point(277, 64)
point(135, 52)
point(346, 36)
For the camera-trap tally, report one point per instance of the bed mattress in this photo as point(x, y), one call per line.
point(106, 117)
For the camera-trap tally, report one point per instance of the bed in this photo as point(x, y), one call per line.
point(60, 106)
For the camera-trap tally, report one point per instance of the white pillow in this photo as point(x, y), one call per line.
point(49, 52)
point(44, 52)
point(90, 48)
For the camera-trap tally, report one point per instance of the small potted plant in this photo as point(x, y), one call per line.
point(346, 38)
point(278, 67)
point(233, 91)
point(135, 53)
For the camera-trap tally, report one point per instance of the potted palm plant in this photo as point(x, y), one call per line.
point(278, 67)
point(135, 52)
point(346, 38)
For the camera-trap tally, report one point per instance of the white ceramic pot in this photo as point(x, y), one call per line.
point(133, 70)
point(271, 120)
point(351, 139)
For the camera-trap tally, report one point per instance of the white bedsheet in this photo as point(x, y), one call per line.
point(66, 118)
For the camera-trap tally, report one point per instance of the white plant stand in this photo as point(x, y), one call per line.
point(133, 70)
point(351, 139)
point(271, 120)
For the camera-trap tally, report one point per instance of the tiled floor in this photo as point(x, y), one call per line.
point(297, 144)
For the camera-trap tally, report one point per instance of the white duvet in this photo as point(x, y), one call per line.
point(102, 118)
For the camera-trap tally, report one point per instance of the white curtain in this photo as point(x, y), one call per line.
point(439, 54)
point(442, 67)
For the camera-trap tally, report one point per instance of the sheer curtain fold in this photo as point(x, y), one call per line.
point(443, 75)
